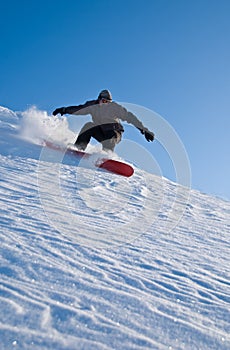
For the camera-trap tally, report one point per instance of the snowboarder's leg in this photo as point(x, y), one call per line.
point(113, 138)
point(109, 138)
point(85, 135)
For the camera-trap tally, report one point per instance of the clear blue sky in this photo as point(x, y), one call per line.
point(171, 56)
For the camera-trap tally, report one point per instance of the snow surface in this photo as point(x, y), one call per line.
point(90, 260)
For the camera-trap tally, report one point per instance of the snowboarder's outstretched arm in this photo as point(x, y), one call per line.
point(80, 109)
point(132, 119)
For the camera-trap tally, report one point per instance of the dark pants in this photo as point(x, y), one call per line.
point(107, 134)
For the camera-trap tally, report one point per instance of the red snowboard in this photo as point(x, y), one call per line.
point(111, 165)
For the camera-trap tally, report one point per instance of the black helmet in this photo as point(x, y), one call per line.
point(105, 94)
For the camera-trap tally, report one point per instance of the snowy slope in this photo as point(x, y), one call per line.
point(90, 260)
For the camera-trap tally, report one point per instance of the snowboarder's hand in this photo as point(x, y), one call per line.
point(148, 134)
point(59, 110)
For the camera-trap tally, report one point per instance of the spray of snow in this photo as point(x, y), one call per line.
point(37, 126)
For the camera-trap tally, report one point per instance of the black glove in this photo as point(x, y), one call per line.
point(148, 134)
point(59, 110)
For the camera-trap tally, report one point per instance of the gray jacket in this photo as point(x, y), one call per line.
point(105, 113)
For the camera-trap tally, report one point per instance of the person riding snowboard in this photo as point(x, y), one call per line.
point(105, 127)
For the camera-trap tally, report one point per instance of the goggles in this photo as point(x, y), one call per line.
point(103, 100)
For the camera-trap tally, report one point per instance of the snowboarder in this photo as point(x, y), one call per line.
point(105, 127)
